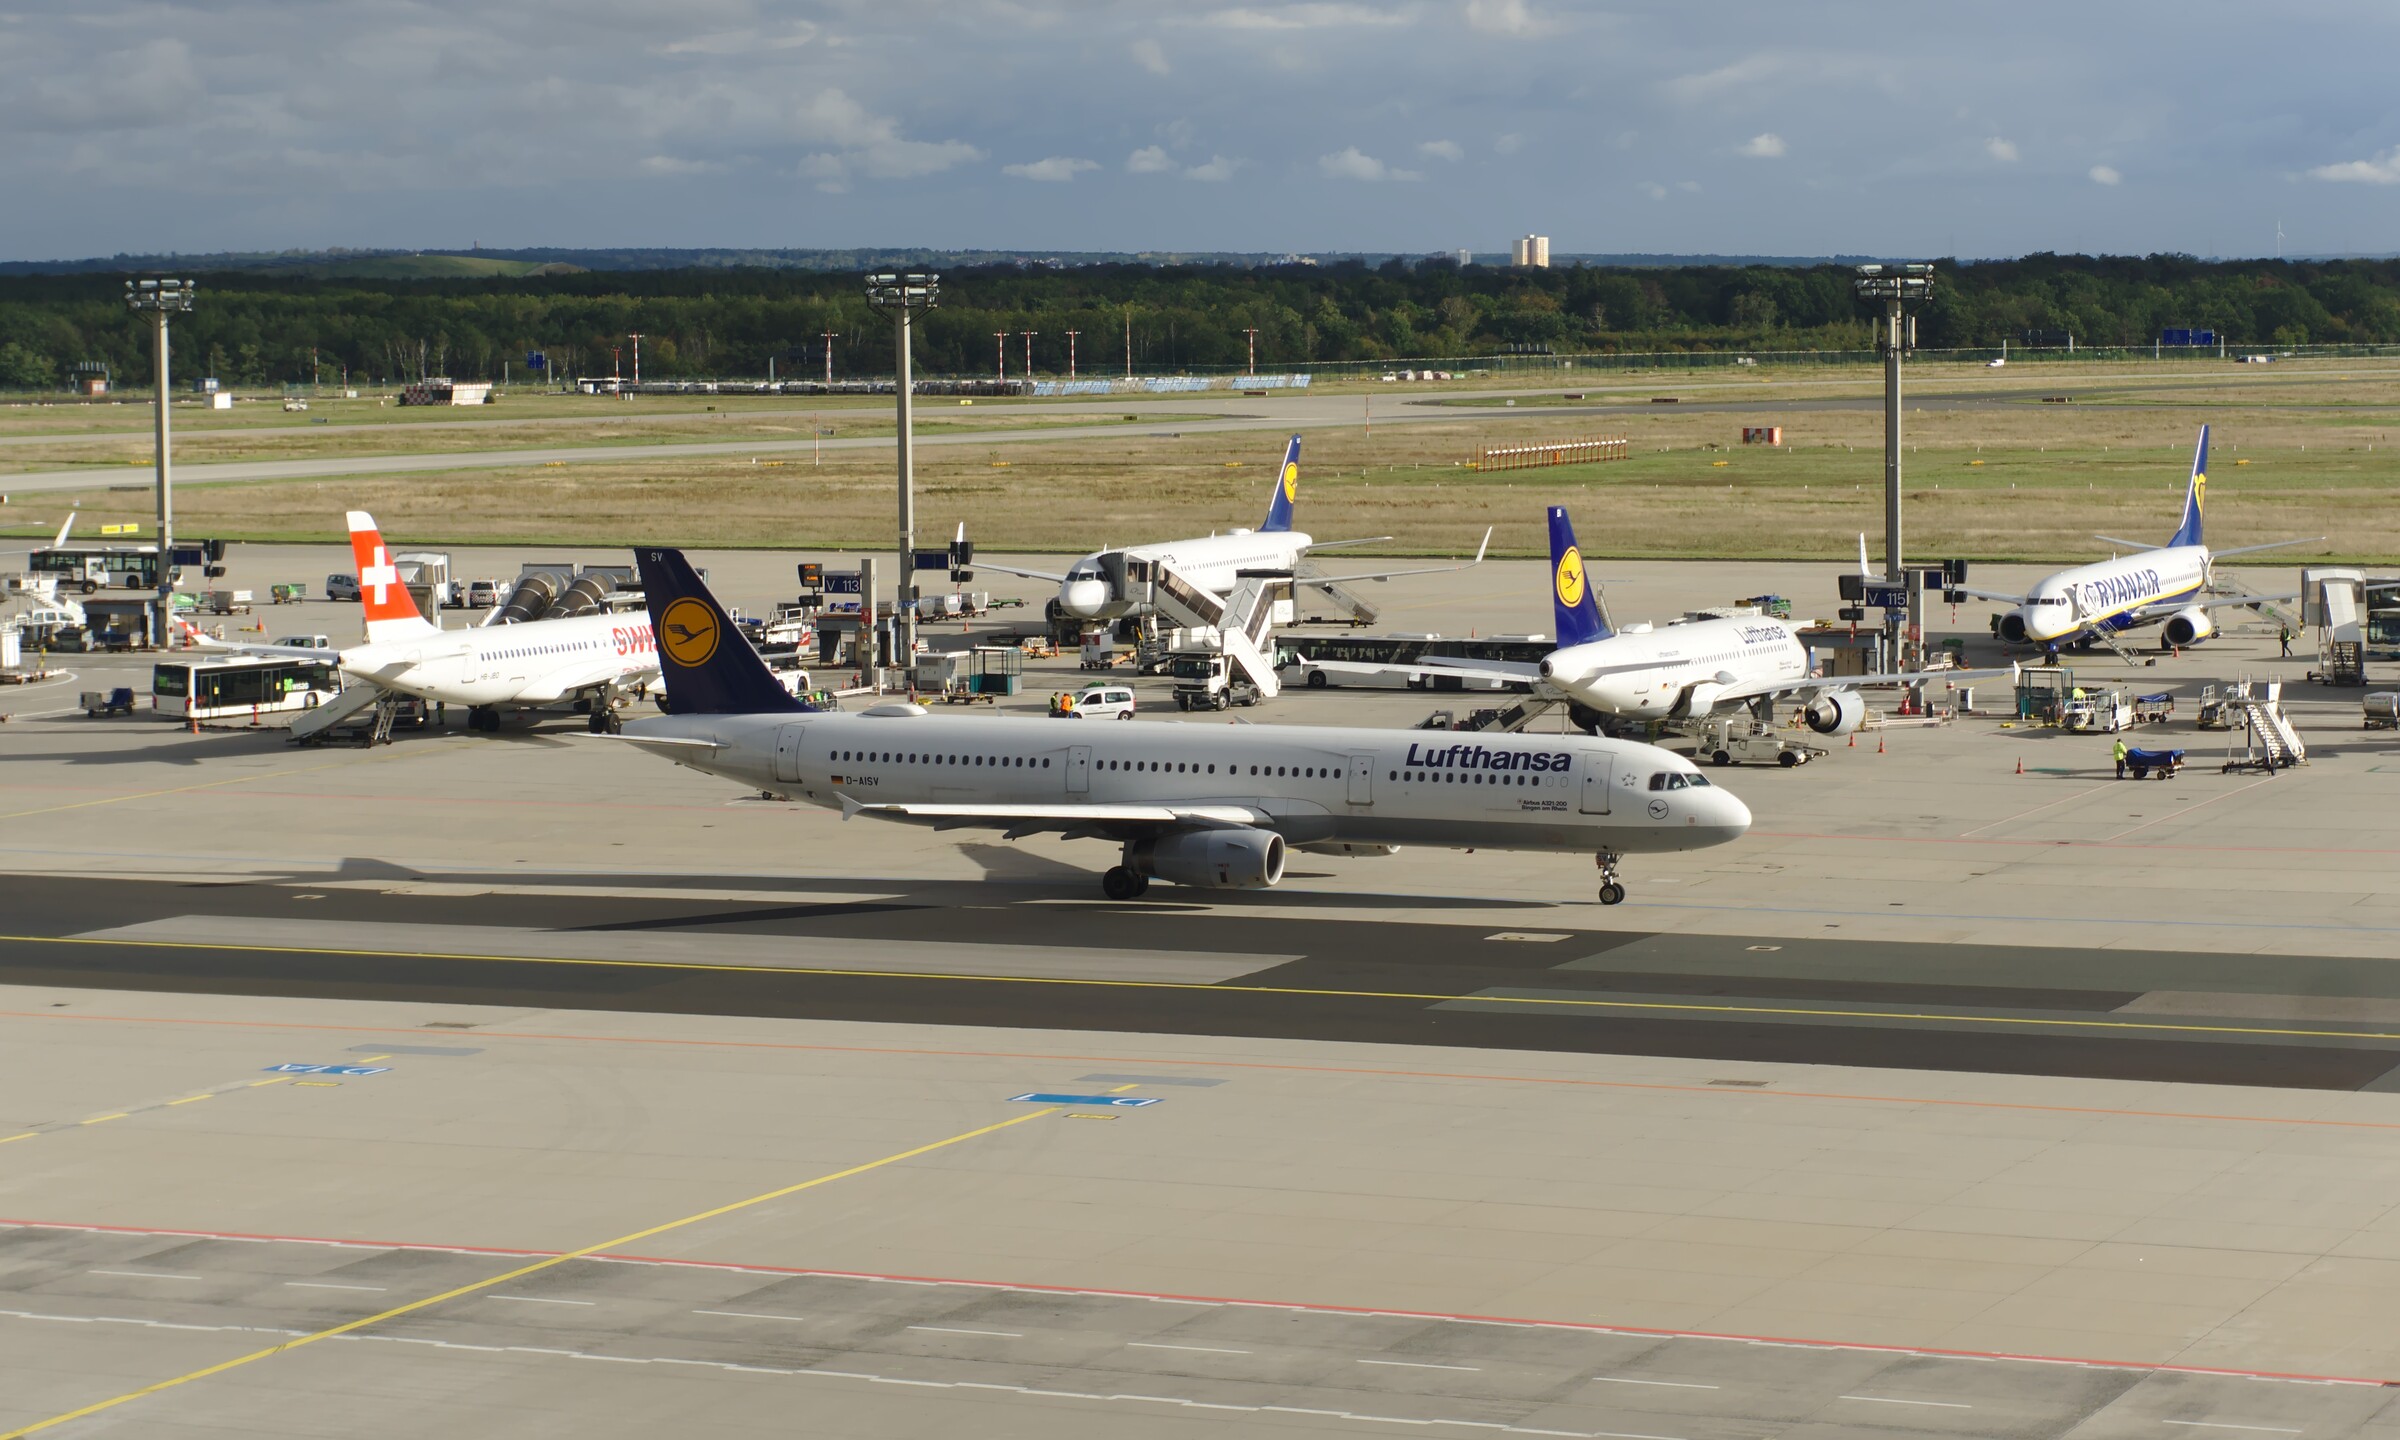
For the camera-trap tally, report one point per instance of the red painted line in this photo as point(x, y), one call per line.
point(1312, 1307)
point(1267, 1066)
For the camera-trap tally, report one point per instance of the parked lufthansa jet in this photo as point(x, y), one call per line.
point(1105, 585)
point(2161, 585)
point(1210, 806)
point(1686, 671)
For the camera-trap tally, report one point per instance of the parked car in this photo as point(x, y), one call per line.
point(341, 587)
point(1104, 702)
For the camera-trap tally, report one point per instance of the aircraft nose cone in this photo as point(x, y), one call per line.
point(1086, 598)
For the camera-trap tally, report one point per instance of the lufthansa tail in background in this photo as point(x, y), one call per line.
point(1208, 806)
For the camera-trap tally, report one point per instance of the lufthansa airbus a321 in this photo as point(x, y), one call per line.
point(1211, 806)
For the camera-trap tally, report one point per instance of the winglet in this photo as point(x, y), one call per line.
point(1571, 598)
point(2195, 498)
point(705, 662)
point(391, 613)
point(1287, 491)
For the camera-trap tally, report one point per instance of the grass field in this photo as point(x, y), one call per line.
point(2296, 454)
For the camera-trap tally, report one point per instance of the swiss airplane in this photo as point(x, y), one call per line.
point(2160, 585)
point(1209, 806)
point(1685, 671)
point(1101, 585)
point(489, 667)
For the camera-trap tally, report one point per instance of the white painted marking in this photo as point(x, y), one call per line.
point(329, 1285)
point(749, 1315)
point(1201, 1349)
point(1669, 1384)
point(1935, 1404)
point(543, 1300)
point(949, 1330)
point(1421, 1365)
point(2217, 1425)
point(142, 1275)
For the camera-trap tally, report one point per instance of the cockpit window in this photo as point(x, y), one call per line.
point(1695, 781)
point(1669, 780)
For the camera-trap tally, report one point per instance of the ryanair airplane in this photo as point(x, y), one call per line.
point(2161, 583)
point(1210, 806)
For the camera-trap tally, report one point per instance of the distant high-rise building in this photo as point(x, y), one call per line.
point(1532, 252)
point(1466, 258)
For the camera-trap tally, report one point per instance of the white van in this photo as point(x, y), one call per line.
point(1105, 702)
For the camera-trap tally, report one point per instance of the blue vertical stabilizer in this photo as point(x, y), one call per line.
point(707, 664)
point(1578, 609)
point(2195, 499)
point(1287, 490)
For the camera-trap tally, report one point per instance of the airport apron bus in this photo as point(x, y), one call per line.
point(235, 686)
point(90, 567)
point(1301, 659)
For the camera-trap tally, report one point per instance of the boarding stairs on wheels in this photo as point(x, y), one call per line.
point(2225, 582)
point(1244, 620)
point(1361, 610)
point(2268, 740)
point(311, 726)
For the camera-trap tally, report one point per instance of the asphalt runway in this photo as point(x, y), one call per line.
point(1059, 960)
point(1294, 411)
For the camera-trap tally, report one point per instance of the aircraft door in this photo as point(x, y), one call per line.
point(1079, 769)
point(1596, 771)
point(1362, 779)
point(787, 751)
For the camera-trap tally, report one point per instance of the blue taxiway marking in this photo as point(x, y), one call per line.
point(293, 1068)
point(1122, 1101)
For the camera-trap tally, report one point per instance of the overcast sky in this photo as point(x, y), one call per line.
point(1739, 126)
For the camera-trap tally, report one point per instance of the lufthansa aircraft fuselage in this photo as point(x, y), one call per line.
point(1312, 785)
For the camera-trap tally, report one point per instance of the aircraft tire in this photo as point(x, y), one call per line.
point(1119, 883)
point(1612, 894)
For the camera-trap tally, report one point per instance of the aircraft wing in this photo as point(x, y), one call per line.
point(983, 564)
point(667, 743)
point(1821, 684)
point(1036, 819)
point(2270, 545)
point(2162, 611)
point(1985, 594)
point(1309, 580)
point(1316, 545)
point(205, 641)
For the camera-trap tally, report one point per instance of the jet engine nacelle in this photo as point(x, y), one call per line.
point(2012, 627)
point(1238, 859)
point(2186, 627)
point(1836, 714)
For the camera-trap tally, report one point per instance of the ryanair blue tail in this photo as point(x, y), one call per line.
point(1578, 609)
point(707, 663)
point(1287, 490)
point(2195, 499)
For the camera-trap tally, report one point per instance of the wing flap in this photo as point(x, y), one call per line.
point(1030, 819)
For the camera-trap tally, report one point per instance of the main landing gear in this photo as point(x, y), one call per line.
point(1611, 893)
point(483, 717)
point(1121, 883)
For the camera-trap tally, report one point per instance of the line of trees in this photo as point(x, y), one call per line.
point(255, 328)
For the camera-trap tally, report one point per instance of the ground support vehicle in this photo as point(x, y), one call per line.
point(97, 703)
point(1731, 740)
point(2102, 714)
point(1206, 680)
point(2142, 762)
point(1098, 702)
point(291, 594)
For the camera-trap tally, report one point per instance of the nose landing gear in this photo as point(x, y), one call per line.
point(1611, 893)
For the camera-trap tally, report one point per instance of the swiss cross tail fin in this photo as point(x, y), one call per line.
point(1578, 609)
point(706, 663)
point(2195, 499)
point(391, 613)
point(1287, 490)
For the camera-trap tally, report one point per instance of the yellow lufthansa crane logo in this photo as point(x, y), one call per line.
point(688, 633)
point(1291, 480)
point(1570, 578)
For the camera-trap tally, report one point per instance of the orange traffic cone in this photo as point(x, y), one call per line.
point(1854, 740)
point(2020, 764)
point(1879, 744)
